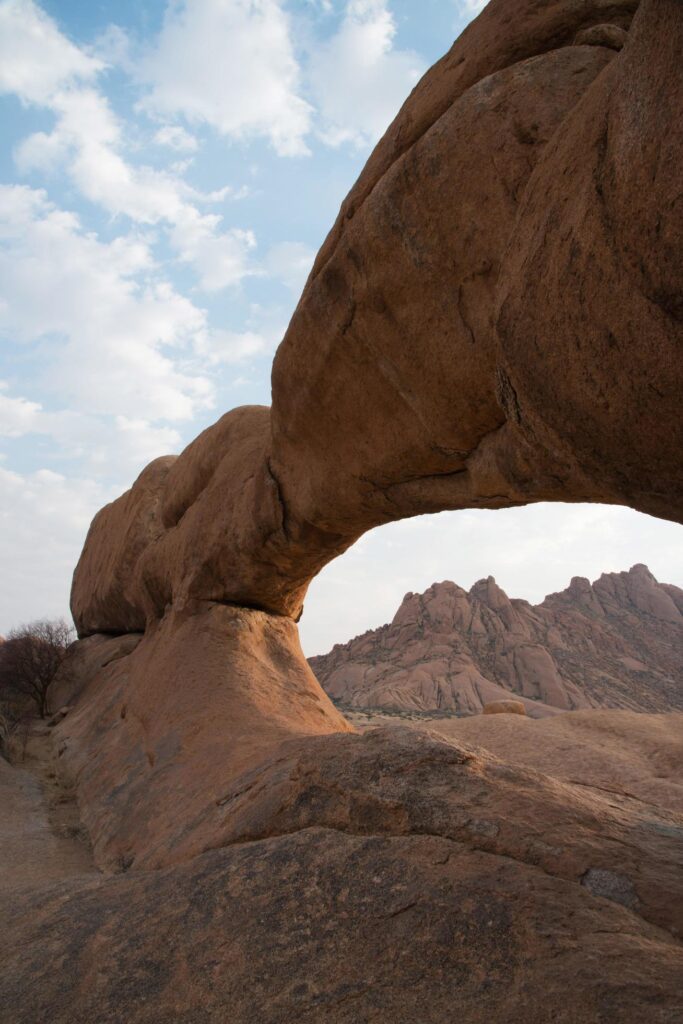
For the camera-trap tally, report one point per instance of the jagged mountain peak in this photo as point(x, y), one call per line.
point(616, 642)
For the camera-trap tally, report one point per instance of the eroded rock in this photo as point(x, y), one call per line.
point(504, 707)
point(387, 877)
point(452, 348)
point(615, 643)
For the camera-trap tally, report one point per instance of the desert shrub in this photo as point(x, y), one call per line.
point(29, 660)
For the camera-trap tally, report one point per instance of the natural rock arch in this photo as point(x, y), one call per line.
point(494, 319)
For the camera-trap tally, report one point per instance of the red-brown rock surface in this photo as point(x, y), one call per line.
point(413, 376)
point(398, 387)
point(592, 276)
point(615, 643)
point(391, 877)
point(504, 707)
point(158, 734)
point(493, 320)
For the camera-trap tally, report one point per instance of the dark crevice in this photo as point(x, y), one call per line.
point(248, 606)
point(507, 396)
point(463, 318)
point(111, 633)
point(349, 318)
point(284, 514)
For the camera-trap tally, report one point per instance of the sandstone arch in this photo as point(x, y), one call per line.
point(494, 319)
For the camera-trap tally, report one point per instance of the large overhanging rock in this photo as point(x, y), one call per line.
point(495, 319)
point(521, 188)
point(591, 294)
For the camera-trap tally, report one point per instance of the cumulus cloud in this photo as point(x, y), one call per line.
point(229, 64)
point(122, 358)
point(43, 521)
point(113, 321)
point(232, 347)
point(176, 137)
point(36, 60)
point(219, 258)
point(88, 140)
point(17, 415)
point(290, 262)
point(110, 447)
point(358, 78)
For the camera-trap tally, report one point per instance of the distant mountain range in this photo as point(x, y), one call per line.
point(617, 643)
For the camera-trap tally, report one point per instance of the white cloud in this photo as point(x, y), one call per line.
point(472, 7)
point(232, 347)
point(43, 521)
point(36, 60)
point(531, 551)
point(220, 259)
point(138, 442)
point(175, 137)
point(147, 196)
point(17, 415)
point(291, 263)
point(124, 353)
point(357, 77)
point(88, 140)
point(113, 48)
point(121, 334)
point(230, 64)
point(118, 447)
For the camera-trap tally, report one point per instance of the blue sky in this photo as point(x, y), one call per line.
point(167, 172)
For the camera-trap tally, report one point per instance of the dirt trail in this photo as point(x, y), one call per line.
point(41, 839)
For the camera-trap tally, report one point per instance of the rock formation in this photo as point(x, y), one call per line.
point(493, 320)
point(616, 643)
point(399, 387)
point(504, 707)
point(394, 877)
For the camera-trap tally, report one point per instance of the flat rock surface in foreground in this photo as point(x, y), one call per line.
point(389, 877)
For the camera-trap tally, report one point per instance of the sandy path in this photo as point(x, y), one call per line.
point(40, 836)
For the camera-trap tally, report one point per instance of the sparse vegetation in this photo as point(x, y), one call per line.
point(29, 660)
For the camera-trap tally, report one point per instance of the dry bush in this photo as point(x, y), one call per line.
point(29, 660)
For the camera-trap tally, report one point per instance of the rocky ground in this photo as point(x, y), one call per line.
point(615, 643)
point(513, 870)
point(41, 836)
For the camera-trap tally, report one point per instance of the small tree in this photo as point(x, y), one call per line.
point(30, 658)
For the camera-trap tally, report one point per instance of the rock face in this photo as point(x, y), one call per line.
point(400, 387)
point(157, 736)
point(390, 877)
point(615, 643)
point(493, 320)
point(600, 272)
point(504, 707)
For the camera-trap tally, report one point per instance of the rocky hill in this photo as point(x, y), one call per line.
point(617, 642)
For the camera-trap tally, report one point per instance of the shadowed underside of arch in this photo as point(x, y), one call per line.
point(494, 319)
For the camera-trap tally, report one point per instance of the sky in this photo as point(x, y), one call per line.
point(168, 169)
